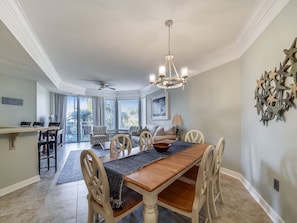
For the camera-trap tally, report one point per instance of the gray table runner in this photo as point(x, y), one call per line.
point(117, 169)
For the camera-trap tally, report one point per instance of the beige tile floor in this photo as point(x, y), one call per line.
point(45, 202)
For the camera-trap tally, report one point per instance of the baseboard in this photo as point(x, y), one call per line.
point(258, 198)
point(19, 185)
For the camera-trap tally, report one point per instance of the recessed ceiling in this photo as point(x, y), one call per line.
point(78, 43)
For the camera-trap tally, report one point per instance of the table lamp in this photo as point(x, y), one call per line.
point(177, 120)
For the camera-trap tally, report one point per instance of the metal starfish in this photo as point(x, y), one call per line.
point(294, 89)
point(259, 107)
point(289, 101)
point(293, 71)
point(290, 53)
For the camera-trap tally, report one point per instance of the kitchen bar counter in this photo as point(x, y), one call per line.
point(14, 131)
point(18, 157)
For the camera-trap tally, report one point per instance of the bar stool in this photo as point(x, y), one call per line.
point(25, 124)
point(47, 148)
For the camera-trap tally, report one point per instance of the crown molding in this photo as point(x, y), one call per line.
point(263, 14)
point(265, 11)
point(12, 16)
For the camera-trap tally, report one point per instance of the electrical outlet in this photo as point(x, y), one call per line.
point(276, 185)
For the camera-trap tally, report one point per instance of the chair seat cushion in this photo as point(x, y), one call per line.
point(179, 195)
point(192, 173)
point(130, 199)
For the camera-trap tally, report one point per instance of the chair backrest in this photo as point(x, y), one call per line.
point(96, 181)
point(203, 176)
point(25, 124)
point(146, 138)
point(54, 124)
point(218, 155)
point(120, 142)
point(99, 130)
point(38, 124)
point(194, 136)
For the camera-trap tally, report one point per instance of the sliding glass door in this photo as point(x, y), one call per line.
point(79, 118)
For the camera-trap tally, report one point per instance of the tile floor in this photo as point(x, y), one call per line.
point(45, 202)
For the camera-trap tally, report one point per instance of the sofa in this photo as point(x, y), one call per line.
point(160, 133)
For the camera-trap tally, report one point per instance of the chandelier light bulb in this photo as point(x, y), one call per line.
point(152, 78)
point(162, 71)
point(184, 72)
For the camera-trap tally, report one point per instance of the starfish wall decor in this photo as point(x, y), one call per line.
point(276, 90)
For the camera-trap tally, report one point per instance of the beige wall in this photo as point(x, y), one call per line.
point(36, 101)
point(43, 104)
point(17, 88)
point(270, 152)
point(211, 103)
point(19, 164)
point(221, 102)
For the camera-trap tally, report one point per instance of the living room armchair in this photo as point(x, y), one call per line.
point(99, 135)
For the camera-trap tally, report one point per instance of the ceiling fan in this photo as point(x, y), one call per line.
point(103, 84)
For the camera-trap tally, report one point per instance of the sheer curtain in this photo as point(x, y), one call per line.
point(98, 110)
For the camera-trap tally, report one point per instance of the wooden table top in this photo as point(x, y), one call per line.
point(155, 174)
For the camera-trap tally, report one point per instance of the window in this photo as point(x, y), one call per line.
point(128, 113)
point(121, 113)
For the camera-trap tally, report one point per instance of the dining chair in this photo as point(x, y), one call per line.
point(215, 185)
point(194, 136)
point(146, 139)
point(98, 191)
point(120, 142)
point(215, 189)
point(188, 199)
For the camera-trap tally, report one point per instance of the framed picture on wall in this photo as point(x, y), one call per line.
point(160, 107)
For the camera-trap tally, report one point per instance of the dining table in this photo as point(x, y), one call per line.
point(155, 176)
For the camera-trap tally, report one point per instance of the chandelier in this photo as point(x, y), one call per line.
point(169, 81)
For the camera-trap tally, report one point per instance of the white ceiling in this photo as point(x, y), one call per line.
point(68, 45)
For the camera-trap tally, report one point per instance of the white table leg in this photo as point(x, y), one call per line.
point(150, 210)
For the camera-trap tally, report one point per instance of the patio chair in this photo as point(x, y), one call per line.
point(99, 135)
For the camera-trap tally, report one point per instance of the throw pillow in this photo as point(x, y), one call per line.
point(160, 131)
point(170, 130)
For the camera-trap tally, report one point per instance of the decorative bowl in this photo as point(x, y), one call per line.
point(161, 146)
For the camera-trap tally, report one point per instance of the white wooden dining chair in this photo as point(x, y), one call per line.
point(195, 136)
point(215, 185)
point(98, 191)
point(215, 189)
point(146, 139)
point(189, 199)
point(120, 142)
